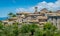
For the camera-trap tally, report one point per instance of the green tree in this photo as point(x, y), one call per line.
point(1, 29)
point(15, 29)
point(38, 32)
point(14, 15)
point(29, 28)
point(8, 30)
point(49, 29)
point(11, 15)
point(1, 25)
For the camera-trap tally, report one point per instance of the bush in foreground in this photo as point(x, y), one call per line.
point(28, 30)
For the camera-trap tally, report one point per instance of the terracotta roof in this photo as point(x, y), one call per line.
point(5, 21)
point(57, 14)
point(32, 20)
point(53, 14)
point(41, 17)
point(34, 14)
point(23, 16)
point(12, 18)
point(42, 22)
point(44, 10)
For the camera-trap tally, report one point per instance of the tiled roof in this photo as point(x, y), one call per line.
point(13, 18)
point(34, 14)
point(5, 21)
point(32, 20)
point(41, 17)
point(53, 14)
point(42, 22)
point(58, 14)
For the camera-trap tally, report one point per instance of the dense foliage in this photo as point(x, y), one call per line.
point(28, 30)
point(11, 15)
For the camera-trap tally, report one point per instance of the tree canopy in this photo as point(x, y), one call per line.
point(28, 30)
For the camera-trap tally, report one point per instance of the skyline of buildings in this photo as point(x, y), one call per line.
point(40, 18)
point(7, 6)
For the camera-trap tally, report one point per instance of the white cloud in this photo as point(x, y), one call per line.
point(21, 9)
point(50, 6)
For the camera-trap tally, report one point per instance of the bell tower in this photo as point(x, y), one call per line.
point(36, 8)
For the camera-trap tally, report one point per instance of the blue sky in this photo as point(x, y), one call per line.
point(14, 6)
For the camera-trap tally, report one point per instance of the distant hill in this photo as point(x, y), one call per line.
point(3, 18)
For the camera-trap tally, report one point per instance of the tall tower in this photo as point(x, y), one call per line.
point(36, 8)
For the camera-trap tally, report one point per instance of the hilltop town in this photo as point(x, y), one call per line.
point(39, 18)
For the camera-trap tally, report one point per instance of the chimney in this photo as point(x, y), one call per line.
point(36, 8)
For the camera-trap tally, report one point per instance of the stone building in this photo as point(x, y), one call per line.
point(40, 17)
